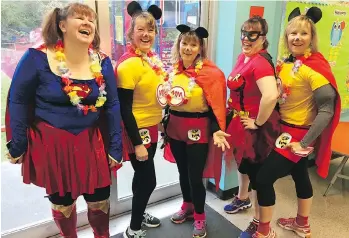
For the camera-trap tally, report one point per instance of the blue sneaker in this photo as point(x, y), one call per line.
point(250, 230)
point(237, 205)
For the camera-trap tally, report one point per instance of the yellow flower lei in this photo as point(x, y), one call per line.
point(96, 70)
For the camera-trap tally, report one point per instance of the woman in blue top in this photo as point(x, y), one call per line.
point(59, 93)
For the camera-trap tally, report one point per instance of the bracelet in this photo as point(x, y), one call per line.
point(256, 124)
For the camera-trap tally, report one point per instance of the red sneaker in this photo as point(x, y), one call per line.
point(271, 234)
point(291, 225)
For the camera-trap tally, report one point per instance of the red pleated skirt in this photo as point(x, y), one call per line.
point(62, 162)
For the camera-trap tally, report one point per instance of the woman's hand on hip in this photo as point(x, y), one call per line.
point(248, 123)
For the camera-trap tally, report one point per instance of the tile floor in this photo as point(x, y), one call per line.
point(329, 218)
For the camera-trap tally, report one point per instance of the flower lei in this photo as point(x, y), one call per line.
point(154, 62)
point(286, 89)
point(192, 83)
point(95, 68)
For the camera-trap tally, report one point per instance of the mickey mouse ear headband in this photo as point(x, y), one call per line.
point(313, 13)
point(201, 32)
point(134, 7)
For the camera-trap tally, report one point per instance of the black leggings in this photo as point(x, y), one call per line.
point(251, 169)
point(100, 194)
point(143, 184)
point(277, 166)
point(191, 161)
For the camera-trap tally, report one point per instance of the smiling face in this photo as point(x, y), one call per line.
point(300, 36)
point(251, 40)
point(79, 27)
point(143, 33)
point(299, 39)
point(189, 49)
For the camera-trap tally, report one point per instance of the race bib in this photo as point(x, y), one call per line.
point(145, 135)
point(283, 140)
point(194, 135)
point(177, 96)
point(161, 95)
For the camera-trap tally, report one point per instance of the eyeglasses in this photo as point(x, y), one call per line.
point(251, 35)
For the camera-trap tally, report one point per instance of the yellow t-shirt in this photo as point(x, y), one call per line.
point(197, 101)
point(300, 107)
point(139, 76)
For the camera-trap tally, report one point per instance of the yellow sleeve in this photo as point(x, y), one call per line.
point(316, 80)
point(128, 73)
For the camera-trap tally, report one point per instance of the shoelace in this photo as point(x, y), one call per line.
point(289, 221)
point(140, 234)
point(148, 217)
point(181, 212)
point(199, 225)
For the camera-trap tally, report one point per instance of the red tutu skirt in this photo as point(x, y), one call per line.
point(254, 145)
point(63, 162)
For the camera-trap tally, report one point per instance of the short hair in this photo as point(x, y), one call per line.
point(147, 17)
point(191, 35)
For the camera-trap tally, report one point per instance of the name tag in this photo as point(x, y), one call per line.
point(145, 135)
point(283, 140)
point(194, 135)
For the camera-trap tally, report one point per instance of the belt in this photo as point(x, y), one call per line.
point(190, 114)
point(294, 126)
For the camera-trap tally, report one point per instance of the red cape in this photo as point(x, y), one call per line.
point(212, 81)
point(318, 63)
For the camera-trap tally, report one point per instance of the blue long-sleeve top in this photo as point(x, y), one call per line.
point(34, 83)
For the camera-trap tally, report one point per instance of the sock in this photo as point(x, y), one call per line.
point(187, 206)
point(199, 216)
point(264, 228)
point(302, 221)
point(255, 221)
point(245, 199)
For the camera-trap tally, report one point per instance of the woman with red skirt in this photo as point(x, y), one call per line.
point(59, 93)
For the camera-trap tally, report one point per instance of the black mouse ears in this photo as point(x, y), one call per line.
point(201, 32)
point(134, 7)
point(313, 13)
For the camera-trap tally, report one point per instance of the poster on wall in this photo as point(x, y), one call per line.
point(333, 35)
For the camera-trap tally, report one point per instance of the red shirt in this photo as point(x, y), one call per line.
point(244, 92)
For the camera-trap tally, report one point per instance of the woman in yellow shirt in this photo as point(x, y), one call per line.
point(139, 73)
point(196, 93)
point(309, 111)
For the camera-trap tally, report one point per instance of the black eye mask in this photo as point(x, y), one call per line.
point(251, 35)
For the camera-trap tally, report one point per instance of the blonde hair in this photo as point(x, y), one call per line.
point(51, 32)
point(147, 17)
point(300, 22)
point(191, 35)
